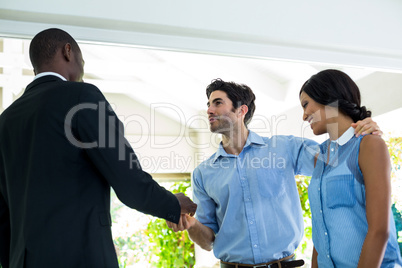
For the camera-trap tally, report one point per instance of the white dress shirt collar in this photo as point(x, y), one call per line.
point(342, 140)
point(49, 73)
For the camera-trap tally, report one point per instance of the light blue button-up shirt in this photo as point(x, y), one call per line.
point(338, 205)
point(251, 200)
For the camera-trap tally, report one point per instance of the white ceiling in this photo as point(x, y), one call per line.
point(357, 33)
point(176, 81)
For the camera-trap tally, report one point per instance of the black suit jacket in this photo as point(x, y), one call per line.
point(61, 149)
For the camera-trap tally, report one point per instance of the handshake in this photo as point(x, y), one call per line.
point(199, 233)
point(188, 209)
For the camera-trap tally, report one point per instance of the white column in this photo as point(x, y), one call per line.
point(12, 63)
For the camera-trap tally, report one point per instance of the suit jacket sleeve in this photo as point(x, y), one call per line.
point(4, 232)
point(102, 133)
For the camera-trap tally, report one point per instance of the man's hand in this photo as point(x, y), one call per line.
point(199, 233)
point(366, 126)
point(185, 222)
point(187, 206)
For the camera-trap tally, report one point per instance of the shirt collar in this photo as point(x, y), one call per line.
point(342, 140)
point(253, 138)
point(49, 73)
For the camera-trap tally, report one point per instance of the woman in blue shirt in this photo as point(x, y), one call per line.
point(350, 191)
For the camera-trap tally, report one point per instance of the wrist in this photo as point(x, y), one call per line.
point(192, 222)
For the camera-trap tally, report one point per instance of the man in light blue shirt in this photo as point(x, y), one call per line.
point(250, 199)
point(249, 209)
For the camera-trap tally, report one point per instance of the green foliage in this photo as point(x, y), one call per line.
point(130, 247)
point(156, 244)
point(302, 186)
point(170, 249)
point(398, 225)
point(395, 151)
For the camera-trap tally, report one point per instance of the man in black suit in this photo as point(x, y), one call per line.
point(61, 149)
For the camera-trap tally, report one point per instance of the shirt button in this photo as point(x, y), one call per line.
point(318, 188)
point(326, 233)
point(251, 222)
point(255, 246)
point(332, 149)
point(321, 210)
point(328, 256)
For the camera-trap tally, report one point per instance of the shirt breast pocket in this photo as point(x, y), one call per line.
point(272, 185)
point(340, 191)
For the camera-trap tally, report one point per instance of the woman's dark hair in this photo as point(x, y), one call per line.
point(45, 44)
point(337, 89)
point(239, 94)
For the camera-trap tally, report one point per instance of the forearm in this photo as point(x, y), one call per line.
point(373, 249)
point(202, 235)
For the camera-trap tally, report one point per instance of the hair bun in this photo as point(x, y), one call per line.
point(364, 113)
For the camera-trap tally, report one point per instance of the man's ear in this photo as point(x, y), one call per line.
point(67, 52)
point(243, 110)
